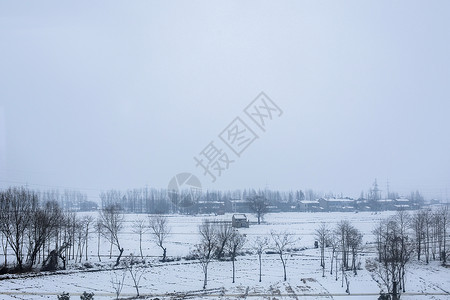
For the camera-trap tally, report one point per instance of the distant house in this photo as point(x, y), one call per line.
point(402, 203)
point(240, 221)
point(240, 205)
point(385, 204)
point(87, 206)
point(333, 204)
point(208, 207)
point(309, 205)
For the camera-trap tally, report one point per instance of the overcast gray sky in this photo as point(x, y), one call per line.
point(99, 95)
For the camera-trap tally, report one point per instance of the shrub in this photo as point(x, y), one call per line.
point(87, 296)
point(88, 265)
point(64, 296)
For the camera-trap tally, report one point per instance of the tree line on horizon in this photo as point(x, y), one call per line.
point(41, 235)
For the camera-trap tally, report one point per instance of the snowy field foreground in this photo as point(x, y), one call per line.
point(183, 279)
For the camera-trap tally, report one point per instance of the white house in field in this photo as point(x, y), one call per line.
point(240, 221)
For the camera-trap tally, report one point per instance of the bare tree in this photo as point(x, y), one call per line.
point(224, 232)
point(66, 237)
point(140, 228)
point(350, 241)
point(98, 228)
point(16, 215)
point(111, 198)
point(160, 230)
point(334, 244)
point(281, 242)
point(45, 223)
point(112, 223)
point(355, 243)
point(444, 217)
point(395, 251)
point(136, 273)
point(322, 235)
point(117, 282)
point(260, 245)
point(428, 221)
point(5, 249)
point(418, 225)
point(86, 222)
point(205, 249)
point(71, 227)
point(404, 220)
point(235, 244)
point(259, 206)
point(79, 232)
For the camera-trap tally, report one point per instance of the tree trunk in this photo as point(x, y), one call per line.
point(336, 269)
point(347, 283)
point(332, 258)
point(118, 257)
point(394, 291)
point(403, 279)
point(232, 259)
point(19, 261)
point(6, 254)
point(98, 248)
point(260, 268)
point(205, 281)
point(418, 249)
point(445, 240)
point(86, 241)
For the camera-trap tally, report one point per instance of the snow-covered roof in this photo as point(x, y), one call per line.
point(309, 202)
point(339, 200)
point(385, 200)
point(240, 217)
point(402, 200)
point(238, 201)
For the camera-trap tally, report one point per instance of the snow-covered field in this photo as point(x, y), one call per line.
point(184, 278)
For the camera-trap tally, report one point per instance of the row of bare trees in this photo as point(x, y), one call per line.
point(219, 241)
point(40, 232)
point(399, 237)
point(26, 226)
point(345, 244)
point(430, 233)
point(422, 233)
point(394, 247)
point(111, 221)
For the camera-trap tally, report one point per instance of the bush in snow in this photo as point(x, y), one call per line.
point(87, 296)
point(64, 296)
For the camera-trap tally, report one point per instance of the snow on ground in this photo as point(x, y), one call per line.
point(184, 279)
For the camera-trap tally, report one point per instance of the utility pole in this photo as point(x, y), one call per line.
point(387, 188)
point(147, 203)
point(376, 190)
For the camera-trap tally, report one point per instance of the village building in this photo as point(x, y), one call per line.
point(240, 221)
